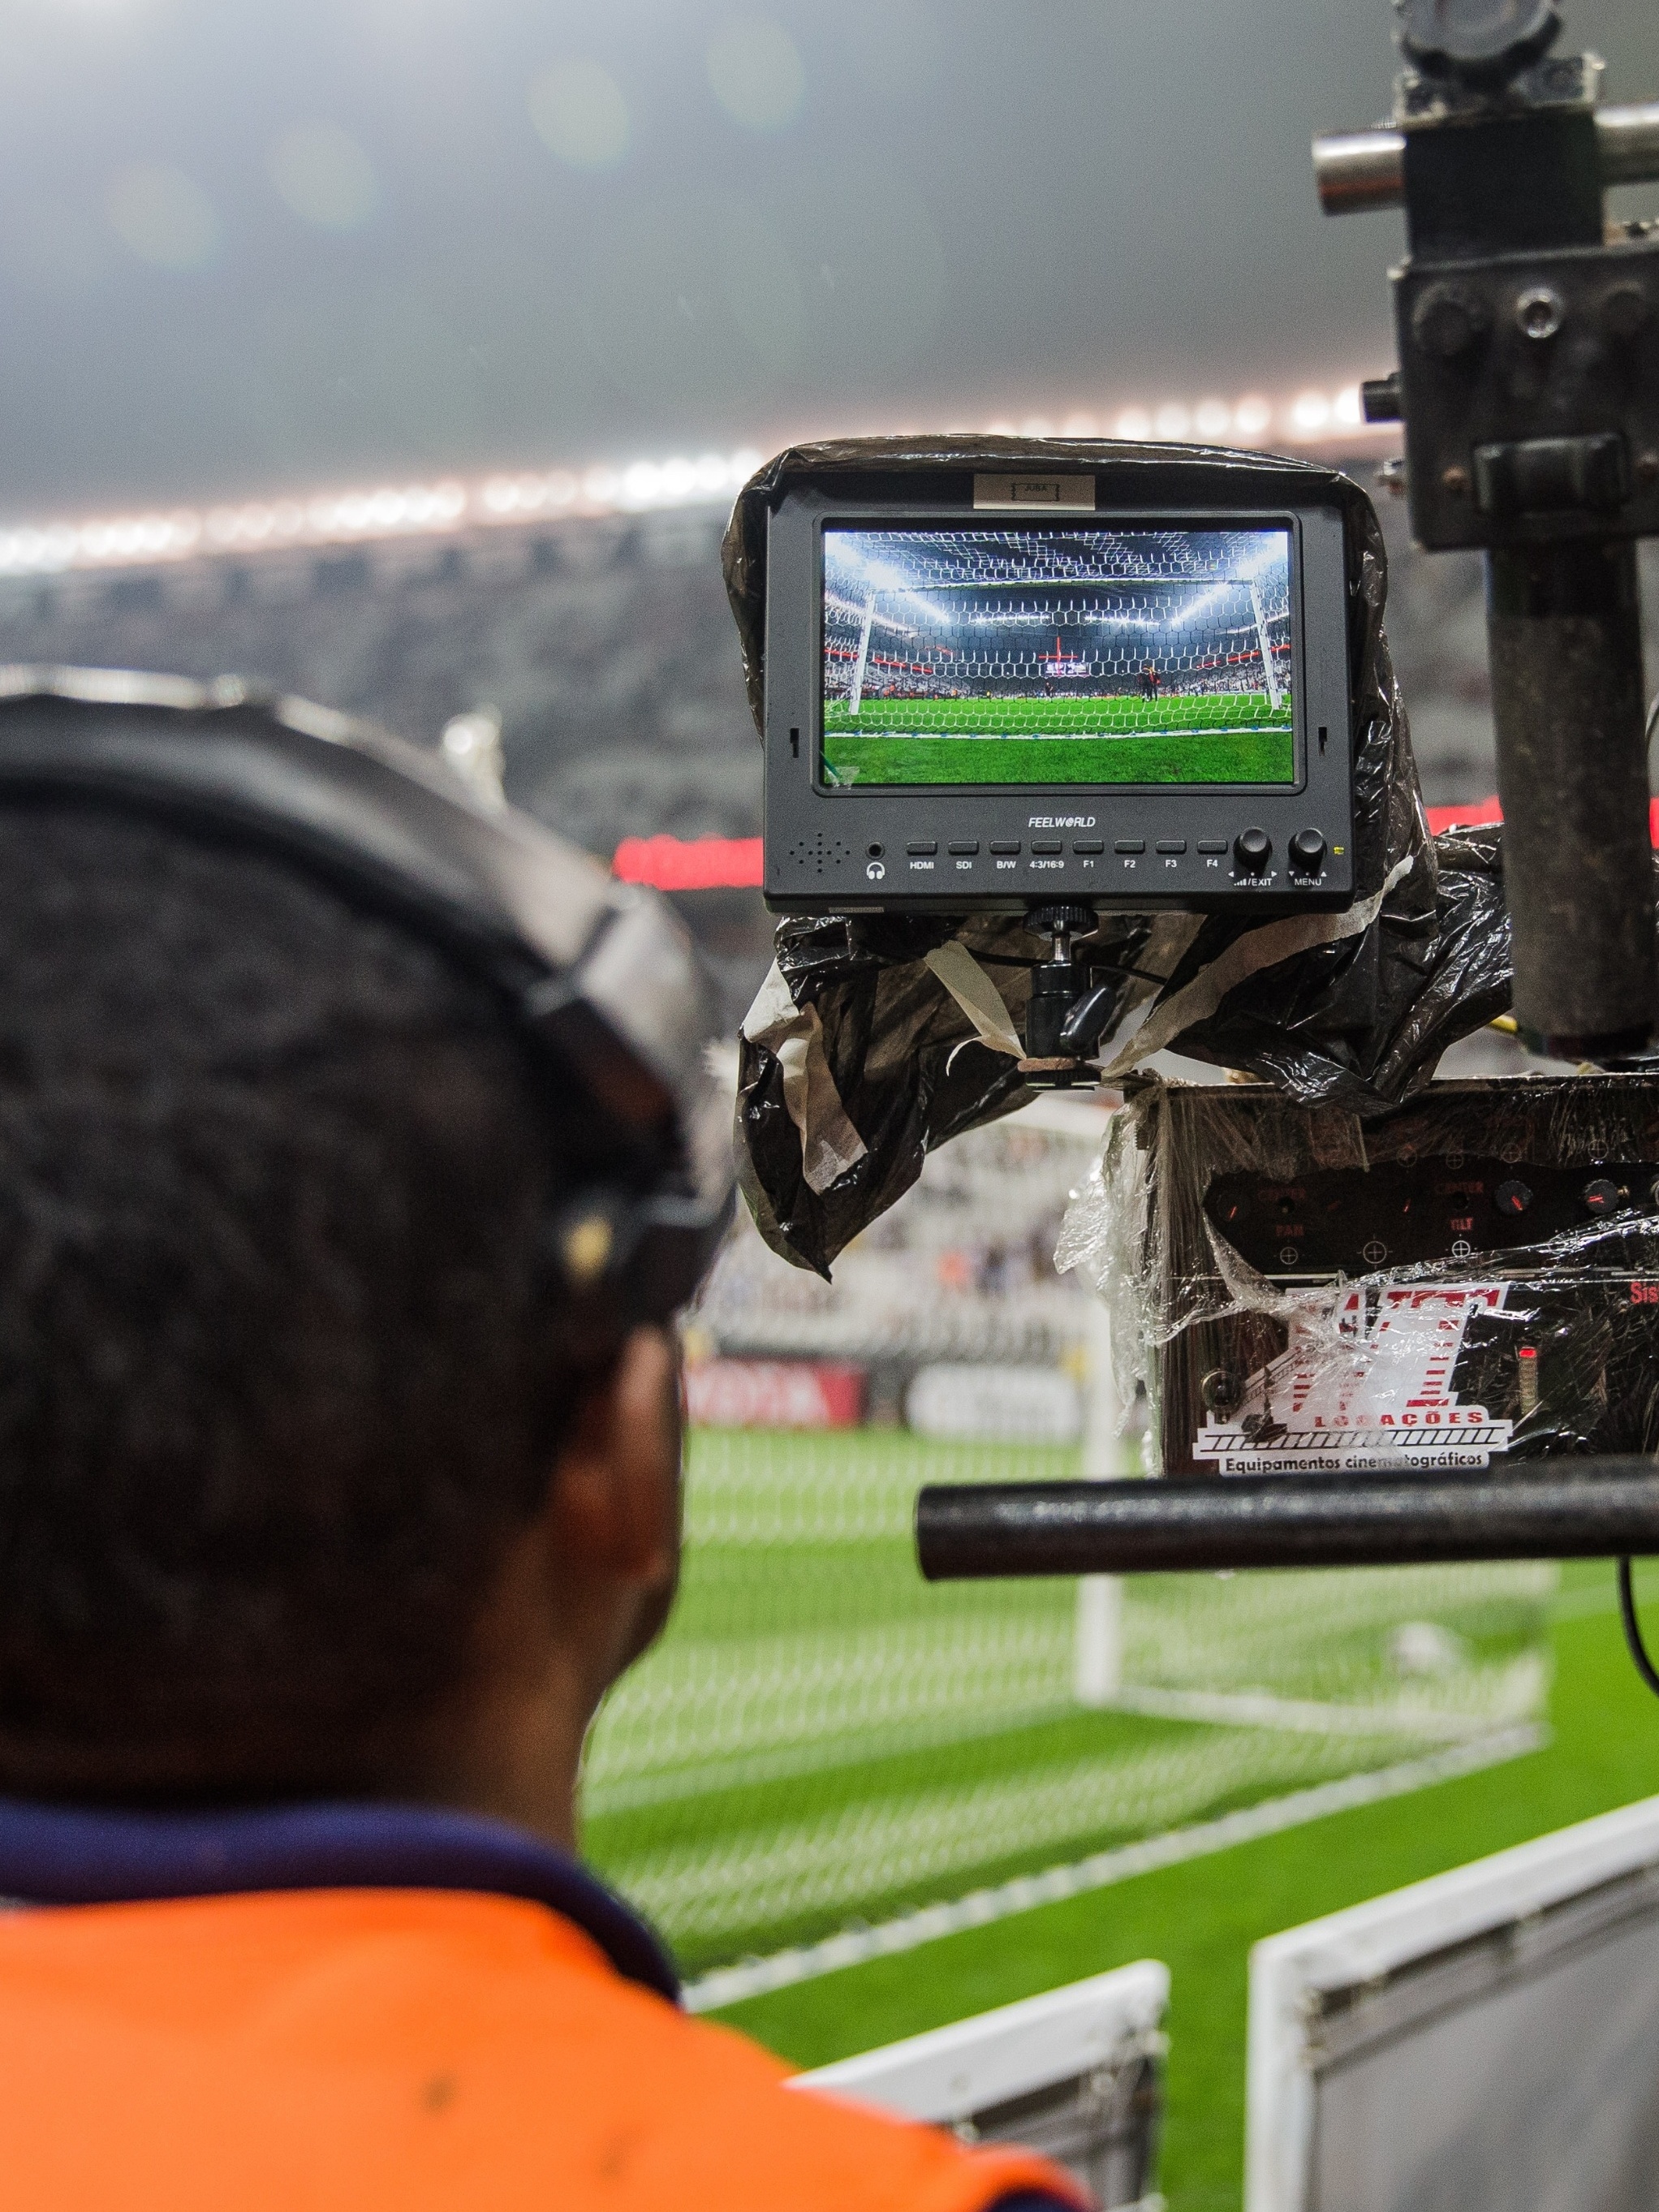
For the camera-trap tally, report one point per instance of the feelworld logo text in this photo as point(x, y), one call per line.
point(1061, 821)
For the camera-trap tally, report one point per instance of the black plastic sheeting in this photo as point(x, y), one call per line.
point(1358, 1021)
point(1361, 1023)
point(909, 1071)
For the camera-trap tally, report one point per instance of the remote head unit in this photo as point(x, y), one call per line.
point(1122, 685)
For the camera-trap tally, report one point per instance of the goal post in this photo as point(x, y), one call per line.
point(1275, 694)
point(1097, 1633)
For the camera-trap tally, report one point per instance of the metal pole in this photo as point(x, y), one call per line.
point(1583, 1509)
point(1565, 629)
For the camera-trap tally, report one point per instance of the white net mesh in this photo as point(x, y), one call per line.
point(821, 1738)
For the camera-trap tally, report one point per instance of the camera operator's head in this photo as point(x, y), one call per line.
point(303, 1486)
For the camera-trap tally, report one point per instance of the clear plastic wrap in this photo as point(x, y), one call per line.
point(1474, 1276)
point(872, 1040)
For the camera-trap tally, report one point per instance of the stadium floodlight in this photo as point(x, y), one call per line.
point(631, 488)
point(1484, 2039)
point(1076, 2072)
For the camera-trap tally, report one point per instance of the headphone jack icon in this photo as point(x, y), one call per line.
point(876, 872)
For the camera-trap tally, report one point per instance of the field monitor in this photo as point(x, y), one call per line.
point(1124, 689)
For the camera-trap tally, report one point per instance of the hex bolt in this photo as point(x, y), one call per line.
point(1541, 310)
point(1220, 1391)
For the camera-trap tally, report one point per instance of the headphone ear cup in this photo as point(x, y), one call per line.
point(619, 1262)
point(587, 1237)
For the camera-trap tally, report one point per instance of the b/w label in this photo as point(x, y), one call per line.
point(1364, 1385)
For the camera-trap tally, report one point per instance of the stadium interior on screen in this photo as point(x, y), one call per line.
point(1038, 657)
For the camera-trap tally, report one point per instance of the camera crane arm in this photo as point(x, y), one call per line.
point(1528, 387)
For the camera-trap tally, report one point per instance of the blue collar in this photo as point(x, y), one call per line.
point(77, 1855)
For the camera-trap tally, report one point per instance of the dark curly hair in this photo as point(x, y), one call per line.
point(276, 1380)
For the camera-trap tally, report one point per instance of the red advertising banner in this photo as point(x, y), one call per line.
point(1478, 813)
point(774, 1393)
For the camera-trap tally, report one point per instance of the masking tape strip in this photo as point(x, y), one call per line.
point(1248, 956)
point(829, 1144)
point(977, 995)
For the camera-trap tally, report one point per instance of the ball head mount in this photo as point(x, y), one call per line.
point(1069, 1010)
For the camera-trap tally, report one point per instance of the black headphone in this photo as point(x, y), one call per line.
point(600, 979)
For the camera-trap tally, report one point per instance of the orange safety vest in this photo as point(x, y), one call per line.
point(404, 2050)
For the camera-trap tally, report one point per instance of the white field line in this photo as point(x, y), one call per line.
point(729, 1985)
point(625, 1793)
point(931, 1838)
point(604, 1793)
point(1301, 1715)
point(763, 1707)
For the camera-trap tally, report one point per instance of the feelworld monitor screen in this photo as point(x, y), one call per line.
point(1041, 656)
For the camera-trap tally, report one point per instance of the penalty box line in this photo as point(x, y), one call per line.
point(982, 1908)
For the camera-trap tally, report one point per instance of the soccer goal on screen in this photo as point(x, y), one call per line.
point(1121, 655)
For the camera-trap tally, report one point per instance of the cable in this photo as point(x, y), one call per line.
point(1639, 1649)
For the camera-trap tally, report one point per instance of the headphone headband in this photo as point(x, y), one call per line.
point(601, 979)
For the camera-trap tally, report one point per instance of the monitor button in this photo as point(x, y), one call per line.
point(918, 846)
point(964, 845)
point(1090, 845)
point(1307, 852)
point(1047, 845)
point(1130, 845)
point(1172, 844)
point(1212, 844)
point(1253, 849)
point(1004, 845)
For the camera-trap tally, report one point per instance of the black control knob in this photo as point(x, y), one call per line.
point(1252, 850)
point(1307, 852)
point(1602, 1195)
point(1513, 1197)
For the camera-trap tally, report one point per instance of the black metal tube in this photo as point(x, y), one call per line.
point(1583, 1509)
point(1566, 633)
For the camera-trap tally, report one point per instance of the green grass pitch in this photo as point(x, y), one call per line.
point(1235, 739)
point(1203, 1917)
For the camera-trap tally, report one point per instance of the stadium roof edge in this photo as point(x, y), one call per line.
point(1313, 420)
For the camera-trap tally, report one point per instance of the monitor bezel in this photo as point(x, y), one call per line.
point(860, 835)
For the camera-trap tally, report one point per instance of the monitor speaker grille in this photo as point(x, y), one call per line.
point(820, 852)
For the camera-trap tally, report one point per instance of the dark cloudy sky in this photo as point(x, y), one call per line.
point(259, 243)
